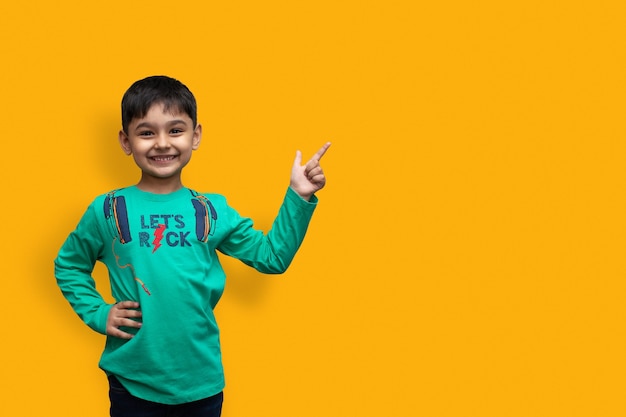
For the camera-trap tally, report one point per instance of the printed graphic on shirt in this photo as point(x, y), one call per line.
point(157, 230)
point(158, 236)
point(115, 213)
point(205, 217)
point(166, 228)
point(162, 230)
point(128, 265)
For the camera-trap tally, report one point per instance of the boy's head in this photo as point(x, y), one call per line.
point(157, 89)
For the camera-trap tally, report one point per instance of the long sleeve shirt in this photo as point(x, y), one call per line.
point(161, 251)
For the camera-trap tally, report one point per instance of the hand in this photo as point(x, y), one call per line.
point(307, 179)
point(120, 315)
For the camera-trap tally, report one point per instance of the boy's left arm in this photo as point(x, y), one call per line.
point(272, 253)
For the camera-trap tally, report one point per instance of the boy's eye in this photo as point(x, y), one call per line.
point(145, 133)
point(176, 131)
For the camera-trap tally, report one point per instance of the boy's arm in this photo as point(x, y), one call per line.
point(73, 267)
point(272, 253)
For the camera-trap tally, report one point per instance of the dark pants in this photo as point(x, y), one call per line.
point(123, 404)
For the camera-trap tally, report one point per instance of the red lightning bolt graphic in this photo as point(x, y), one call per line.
point(158, 235)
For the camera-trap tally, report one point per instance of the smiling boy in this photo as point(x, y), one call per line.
point(161, 144)
point(159, 241)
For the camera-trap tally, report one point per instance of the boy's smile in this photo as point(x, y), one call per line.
point(161, 143)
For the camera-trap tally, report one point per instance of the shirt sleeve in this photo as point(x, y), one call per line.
point(73, 268)
point(273, 252)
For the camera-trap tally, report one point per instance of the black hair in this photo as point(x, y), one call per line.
point(157, 89)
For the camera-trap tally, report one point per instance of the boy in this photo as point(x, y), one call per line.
point(158, 240)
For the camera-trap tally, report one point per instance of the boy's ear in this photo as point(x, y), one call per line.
point(197, 137)
point(125, 143)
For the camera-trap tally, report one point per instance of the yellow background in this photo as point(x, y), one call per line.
point(467, 255)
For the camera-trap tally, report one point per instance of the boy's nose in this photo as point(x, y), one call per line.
point(162, 141)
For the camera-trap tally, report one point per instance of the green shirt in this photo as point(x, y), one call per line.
point(161, 251)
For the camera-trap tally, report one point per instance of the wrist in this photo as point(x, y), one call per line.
point(304, 196)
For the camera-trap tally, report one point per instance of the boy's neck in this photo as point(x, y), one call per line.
point(159, 185)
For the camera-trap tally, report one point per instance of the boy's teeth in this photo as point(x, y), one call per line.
point(163, 158)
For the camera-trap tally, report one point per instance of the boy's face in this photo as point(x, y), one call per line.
point(161, 143)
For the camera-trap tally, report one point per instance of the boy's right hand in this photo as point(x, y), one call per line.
point(121, 314)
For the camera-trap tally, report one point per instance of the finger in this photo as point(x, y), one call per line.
point(116, 332)
point(298, 160)
point(123, 335)
point(318, 155)
point(123, 305)
point(130, 323)
point(318, 179)
point(312, 171)
point(128, 314)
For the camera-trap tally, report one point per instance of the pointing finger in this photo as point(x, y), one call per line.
point(318, 155)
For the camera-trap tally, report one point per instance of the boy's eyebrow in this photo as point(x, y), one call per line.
point(171, 122)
